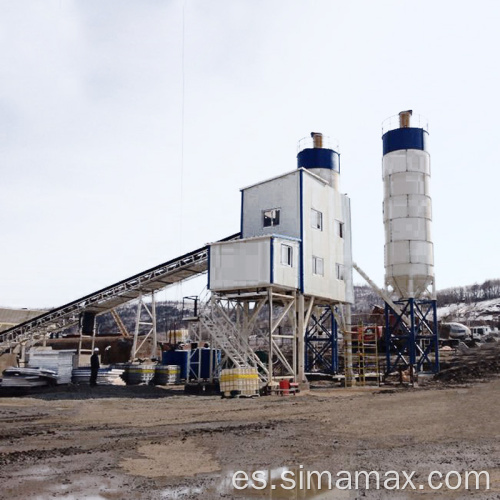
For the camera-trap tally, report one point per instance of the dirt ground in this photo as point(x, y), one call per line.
point(148, 443)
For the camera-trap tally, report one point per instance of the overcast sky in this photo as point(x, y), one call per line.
point(98, 184)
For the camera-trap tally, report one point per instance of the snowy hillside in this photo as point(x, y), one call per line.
point(483, 312)
point(470, 311)
point(364, 299)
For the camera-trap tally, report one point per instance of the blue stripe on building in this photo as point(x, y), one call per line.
point(301, 247)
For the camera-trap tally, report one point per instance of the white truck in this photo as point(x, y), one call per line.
point(480, 332)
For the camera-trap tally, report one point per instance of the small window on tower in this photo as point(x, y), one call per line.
point(271, 217)
point(339, 229)
point(339, 271)
point(318, 266)
point(286, 255)
point(316, 219)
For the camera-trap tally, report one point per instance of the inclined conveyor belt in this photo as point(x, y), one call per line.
point(171, 272)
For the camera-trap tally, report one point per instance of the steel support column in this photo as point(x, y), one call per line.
point(411, 335)
point(321, 352)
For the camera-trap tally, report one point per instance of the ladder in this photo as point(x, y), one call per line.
point(225, 336)
point(365, 359)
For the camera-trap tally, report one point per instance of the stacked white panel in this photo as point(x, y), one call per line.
point(61, 362)
point(409, 261)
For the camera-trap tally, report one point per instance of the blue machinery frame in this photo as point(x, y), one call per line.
point(412, 343)
point(321, 343)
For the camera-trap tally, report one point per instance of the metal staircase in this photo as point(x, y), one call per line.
point(224, 335)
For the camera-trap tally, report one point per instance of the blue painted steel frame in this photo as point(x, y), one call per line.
point(208, 266)
point(301, 215)
point(271, 258)
point(412, 343)
point(241, 214)
point(318, 347)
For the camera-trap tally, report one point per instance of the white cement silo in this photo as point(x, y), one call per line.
point(409, 253)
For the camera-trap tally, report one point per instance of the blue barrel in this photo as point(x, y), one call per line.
point(179, 358)
point(200, 362)
point(205, 361)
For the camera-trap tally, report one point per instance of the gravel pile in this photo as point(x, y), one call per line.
point(474, 363)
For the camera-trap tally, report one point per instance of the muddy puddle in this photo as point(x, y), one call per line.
point(279, 483)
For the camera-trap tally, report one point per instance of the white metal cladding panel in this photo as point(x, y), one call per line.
point(408, 160)
point(282, 193)
point(412, 270)
point(406, 183)
point(420, 206)
point(330, 176)
point(422, 252)
point(240, 264)
point(418, 161)
point(394, 162)
point(323, 244)
point(397, 252)
point(387, 232)
point(409, 228)
point(315, 195)
point(396, 207)
point(285, 275)
point(413, 205)
point(409, 252)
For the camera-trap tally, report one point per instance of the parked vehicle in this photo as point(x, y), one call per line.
point(451, 333)
point(480, 332)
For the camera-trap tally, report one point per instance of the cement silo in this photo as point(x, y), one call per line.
point(411, 336)
point(409, 253)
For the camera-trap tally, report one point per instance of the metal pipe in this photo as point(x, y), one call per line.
point(404, 118)
point(317, 139)
point(384, 295)
point(153, 315)
point(270, 319)
point(301, 326)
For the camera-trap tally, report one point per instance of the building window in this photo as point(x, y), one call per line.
point(271, 217)
point(318, 266)
point(286, 255)
point(339, 229)
point(316, 219)
point(339, 271)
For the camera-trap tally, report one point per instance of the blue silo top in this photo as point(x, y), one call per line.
point(319, 158)
point(405, 138)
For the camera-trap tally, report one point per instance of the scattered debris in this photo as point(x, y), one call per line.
point(470, 364)
point(28, 377)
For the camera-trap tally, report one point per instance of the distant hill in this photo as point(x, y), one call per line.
point(485, 312)
point(475, 304)
point(11, 317)
point(364, 299)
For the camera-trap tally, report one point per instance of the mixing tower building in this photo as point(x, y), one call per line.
point(294, 256)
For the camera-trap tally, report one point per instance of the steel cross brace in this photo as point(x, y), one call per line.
point(407, 344)
point(318, 347)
